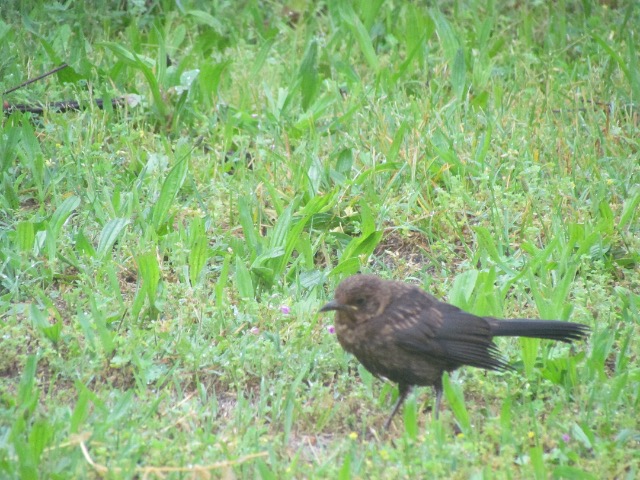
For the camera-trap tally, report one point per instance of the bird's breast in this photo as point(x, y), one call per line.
point(347, 333)
point(362, 337)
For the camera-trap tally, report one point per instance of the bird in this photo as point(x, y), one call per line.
point(400, 332)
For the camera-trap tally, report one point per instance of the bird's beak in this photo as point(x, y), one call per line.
point(334, 305)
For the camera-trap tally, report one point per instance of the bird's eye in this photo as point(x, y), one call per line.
point(360, 301)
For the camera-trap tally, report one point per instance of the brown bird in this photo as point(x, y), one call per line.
point(398, 331)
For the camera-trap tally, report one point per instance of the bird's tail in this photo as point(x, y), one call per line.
point(549, 329)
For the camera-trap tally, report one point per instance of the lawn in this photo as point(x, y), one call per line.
point(163, 255)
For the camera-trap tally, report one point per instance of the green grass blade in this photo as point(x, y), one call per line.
point(109, 235)
point(62, 213)
point(149, 270)
point(454, 395)
point(308, 75)
point(198, 250)
point(244, 284)
point(462, 289)
point(447, 36)
point(629, 209)
point(25, 237)
point(27, 397)
point(361, 35)
point(248, 226)
point(459, 75)
point(221, 283)
point(529, 352)
point(168, 192)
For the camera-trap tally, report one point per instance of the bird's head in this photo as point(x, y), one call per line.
point(359, 298)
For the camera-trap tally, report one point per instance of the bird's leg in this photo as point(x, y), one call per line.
point(403, 391)
point(438, 388)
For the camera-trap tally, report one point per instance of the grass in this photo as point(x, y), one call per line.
point(162, 263)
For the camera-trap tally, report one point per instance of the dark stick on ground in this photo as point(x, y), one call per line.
point(60, 107)
point(400, 332)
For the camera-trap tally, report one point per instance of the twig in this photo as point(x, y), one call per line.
point(160, 470)
point(51, 72)
point(87, 457)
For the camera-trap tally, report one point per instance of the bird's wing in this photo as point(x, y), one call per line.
point(442, 332)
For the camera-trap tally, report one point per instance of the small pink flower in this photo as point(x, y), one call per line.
point(255, 330)
point(566, 437)
point(285, 309)
point(331, 329)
